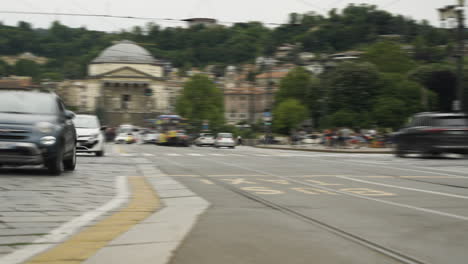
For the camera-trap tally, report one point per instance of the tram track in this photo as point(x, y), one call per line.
point(376, 247)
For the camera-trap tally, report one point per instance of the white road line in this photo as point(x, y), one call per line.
point(459, 217)
point(127, 154)
point(173, 155)
point(148, 155)
point(195, 154)
point(67, 229)
point(404, 188)
point(218, 155)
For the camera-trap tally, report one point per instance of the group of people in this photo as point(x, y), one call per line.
point(345, 137)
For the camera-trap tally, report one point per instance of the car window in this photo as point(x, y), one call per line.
point(86, 122)
point(27, 103)
point(225, 135)
point(451, 121)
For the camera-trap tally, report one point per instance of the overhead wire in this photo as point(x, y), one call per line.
point(173, 20)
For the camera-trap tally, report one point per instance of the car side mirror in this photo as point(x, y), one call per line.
point(103, 128)
point(69, 114)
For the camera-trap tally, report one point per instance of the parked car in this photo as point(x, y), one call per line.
point(224, 140)
point(90, 134)
point(311, 139)
point(432, 134)
point(150, 136)
point(35, 129)
point(205, 139)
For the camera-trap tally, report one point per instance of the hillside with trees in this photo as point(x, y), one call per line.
point(357, 26)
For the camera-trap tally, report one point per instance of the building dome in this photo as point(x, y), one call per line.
point(125, 51)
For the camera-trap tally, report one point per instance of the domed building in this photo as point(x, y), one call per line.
point(128, 85)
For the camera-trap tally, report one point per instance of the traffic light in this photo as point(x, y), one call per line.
point(148, 91)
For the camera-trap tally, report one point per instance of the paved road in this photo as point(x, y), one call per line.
point(268, 206)
point(416, 207)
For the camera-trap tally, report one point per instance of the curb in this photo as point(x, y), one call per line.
point(155, 239)
point(331, 150)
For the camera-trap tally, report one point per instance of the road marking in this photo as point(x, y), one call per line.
point(283, 182)
point(407, 188)
point(67, 229)
point(262, 190)
point(218, 155)
point(367, 192)
point(313, 191)
point(86, 243)
point(239, 181)
point(323, 183)
point(148, 155)
point(128, 154)
point(195, 154)
point(440, 213)
point(173, 154)
point(206, 181)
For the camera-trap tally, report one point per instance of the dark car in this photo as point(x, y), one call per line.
point(36, 129)
point(433, 134)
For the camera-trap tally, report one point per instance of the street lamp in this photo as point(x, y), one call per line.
point(449, 13)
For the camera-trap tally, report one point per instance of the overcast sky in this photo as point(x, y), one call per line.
point(274, 11)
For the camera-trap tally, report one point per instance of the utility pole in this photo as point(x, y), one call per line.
point(449, 13)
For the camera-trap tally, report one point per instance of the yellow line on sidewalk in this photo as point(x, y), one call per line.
point(86, 243)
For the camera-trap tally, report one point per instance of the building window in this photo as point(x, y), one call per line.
point(126, 98)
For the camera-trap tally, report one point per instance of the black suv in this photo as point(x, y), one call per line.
point(433, 134)
point(36, 129)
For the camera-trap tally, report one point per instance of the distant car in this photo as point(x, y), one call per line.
point(205, 139)
point(224, 140)
point(311, 139)
point(150, 136)
point(125, 138)
point(36, 129)
point(432, 134)
point(90, 135)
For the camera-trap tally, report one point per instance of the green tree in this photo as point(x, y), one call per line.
point(389, 57)
point(342, 118)
point(353, 87)
point(300, 85)
point(27, 68)
point(201, 100)
point(288, 115)
point(440, 79)
point(390, 112)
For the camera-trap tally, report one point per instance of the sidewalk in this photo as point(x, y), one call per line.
point(321, 148)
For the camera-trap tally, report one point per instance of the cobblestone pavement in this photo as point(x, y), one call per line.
point(34, 203)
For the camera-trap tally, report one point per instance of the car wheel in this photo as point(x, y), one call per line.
point(55, 165)
point(70, 163)
point(99, 153)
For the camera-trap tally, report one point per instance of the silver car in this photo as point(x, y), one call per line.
point(224, 140)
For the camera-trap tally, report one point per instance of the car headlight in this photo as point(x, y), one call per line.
point(49, 140)
point(45, 127)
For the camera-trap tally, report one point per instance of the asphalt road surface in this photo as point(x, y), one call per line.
point(268, 206)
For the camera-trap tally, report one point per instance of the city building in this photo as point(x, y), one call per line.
point(125, 84)
point(246, 104)
point(17, 83)
point(11, 60)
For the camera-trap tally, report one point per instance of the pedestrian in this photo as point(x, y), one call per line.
point(239, 140)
